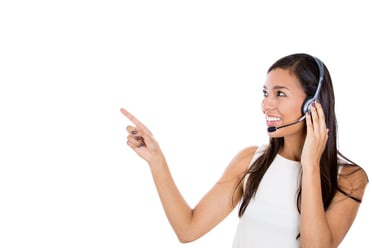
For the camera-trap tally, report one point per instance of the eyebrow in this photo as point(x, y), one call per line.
point(277, 87)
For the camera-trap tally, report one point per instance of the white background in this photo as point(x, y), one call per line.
point(192, 71)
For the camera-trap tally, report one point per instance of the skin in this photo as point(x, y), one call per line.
point(283, 98)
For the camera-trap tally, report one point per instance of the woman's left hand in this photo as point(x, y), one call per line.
point(316, 137)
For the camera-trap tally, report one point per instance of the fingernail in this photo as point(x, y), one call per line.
point(137, 137)
point(140, 145)
point(134, 132)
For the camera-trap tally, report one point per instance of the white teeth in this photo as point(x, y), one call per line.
point(269, 118)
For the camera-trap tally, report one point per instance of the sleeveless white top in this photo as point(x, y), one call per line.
point(271, 218)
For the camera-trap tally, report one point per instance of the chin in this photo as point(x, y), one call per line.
point(275, 134)
point(290, 131)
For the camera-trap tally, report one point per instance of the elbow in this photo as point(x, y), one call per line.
point(185, 238)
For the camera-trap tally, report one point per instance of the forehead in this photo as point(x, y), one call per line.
point(280, 78)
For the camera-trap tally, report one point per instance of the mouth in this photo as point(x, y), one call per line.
point(272, 120)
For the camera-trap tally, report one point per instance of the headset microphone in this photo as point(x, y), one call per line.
point(307, 103)
point(273, 129)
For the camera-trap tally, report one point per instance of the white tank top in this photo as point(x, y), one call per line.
point(271, 218)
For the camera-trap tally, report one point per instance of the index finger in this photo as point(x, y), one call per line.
point(133, 119)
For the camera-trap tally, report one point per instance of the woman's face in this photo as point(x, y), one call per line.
point(283, 99)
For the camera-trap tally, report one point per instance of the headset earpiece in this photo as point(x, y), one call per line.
point(306, 105)
point(310, 99)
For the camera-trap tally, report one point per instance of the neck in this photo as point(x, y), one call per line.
point(292, 147)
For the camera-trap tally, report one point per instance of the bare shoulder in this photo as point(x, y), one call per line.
point(239, 164)
point(245, 154)
point(353, 180)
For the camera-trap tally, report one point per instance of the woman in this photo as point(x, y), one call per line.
point(296, 191)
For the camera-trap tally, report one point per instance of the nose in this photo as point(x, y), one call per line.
point(268, 103)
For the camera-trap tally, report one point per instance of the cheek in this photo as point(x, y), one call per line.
point(293, 109)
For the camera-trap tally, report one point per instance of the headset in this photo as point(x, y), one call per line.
point(309, 100)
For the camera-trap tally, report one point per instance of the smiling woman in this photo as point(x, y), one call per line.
point(297, 189)
point(192, 71)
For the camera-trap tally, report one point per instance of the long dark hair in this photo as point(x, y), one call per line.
point(304, 67)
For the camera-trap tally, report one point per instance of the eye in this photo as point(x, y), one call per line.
point(265, 93)
point(281, 93)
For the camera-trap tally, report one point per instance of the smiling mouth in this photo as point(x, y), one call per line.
point(272, 120)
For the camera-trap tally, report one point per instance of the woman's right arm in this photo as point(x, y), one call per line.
point(189, 223)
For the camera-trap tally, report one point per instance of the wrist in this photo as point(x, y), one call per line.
point(311, 168)
point(157, 162)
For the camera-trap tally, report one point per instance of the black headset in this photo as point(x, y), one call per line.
point(310, 99)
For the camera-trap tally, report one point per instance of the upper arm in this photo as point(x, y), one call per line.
point(343, 208)
point(223, 196)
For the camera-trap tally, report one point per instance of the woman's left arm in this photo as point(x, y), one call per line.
point(321, 228)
